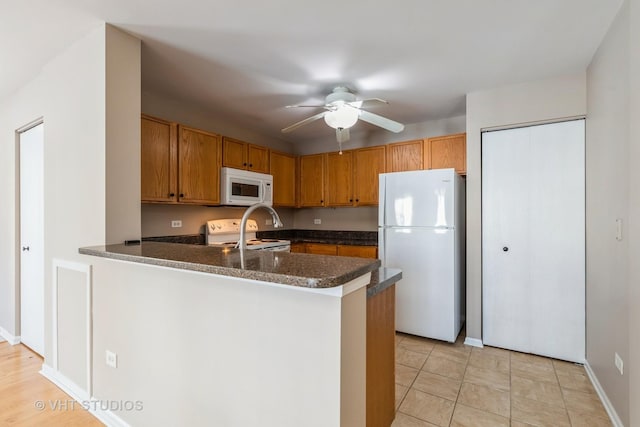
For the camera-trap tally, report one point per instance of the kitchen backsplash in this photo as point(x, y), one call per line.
point(157, 219)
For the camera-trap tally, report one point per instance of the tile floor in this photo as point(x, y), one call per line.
point(442, 384)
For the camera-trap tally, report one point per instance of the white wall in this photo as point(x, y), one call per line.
point(186, 113)
point(372, 137)
point(549, 99)
point(122, 136)
point(634, 213)
point(607, 198)
point(69, 93)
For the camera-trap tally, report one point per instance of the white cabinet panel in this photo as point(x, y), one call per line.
point(533, 239)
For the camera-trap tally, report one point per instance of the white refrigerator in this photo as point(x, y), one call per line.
point(421, 231)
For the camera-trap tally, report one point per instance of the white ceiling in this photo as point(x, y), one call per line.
point(247, 59)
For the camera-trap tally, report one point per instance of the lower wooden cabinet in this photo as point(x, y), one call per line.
point(341, 250)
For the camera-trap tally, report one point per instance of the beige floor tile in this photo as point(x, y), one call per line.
point(417, 344)
point(444, 366)
point(576, 382)
point(464, 416)
point(433, 409)
point(587, 420)
point(489, 361)
point(533, 371)
point(538, 413)
point(537, 390)
point(410, 358)
point(531, 359)
point(403, 420)
point(492, 351)
point(401, 392)
point(488, 377)
point(437, 385)
point(584, 403)
point(520, 424)
point(405, 375)
point(399, 338)
point(567, 368)
point(485, 398)
point(454, 352)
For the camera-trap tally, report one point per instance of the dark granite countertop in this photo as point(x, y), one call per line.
point(306, 270)
point(381, 279)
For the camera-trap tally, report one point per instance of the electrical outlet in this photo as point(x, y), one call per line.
point(176, 223)
point(619, 363)
point(112, 359)
point(317, 221)
point(268, 222)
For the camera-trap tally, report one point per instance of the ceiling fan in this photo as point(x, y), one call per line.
point(343, 111)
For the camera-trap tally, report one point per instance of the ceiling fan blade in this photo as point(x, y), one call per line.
point(342, 134)
point(303, 122)
point(368, 102)
point(383, 122)
point(305, 106)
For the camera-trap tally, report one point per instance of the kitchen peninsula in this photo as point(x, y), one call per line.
point(215, 336)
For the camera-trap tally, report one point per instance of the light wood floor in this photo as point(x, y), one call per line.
point(22, 389)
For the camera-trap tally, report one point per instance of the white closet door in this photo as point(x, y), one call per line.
point(506, 253)
point(533, 204)
point(557, 242)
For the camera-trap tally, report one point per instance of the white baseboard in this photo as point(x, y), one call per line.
point(10, 338)
point(78, 394)
point(613, 415)
point(473, 342)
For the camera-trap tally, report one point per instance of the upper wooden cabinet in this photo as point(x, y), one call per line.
point(283, 169)
point(368, 163)
point(312, 170)
point(199, 162)
point(339, 179)
point(405, 156)
point(159, 160)
point(449, 151)
point(242, 155)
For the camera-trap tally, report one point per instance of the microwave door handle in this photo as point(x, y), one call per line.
point(263, 189)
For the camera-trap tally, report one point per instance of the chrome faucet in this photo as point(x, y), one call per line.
point(242, 243)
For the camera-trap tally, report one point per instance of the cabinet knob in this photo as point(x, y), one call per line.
point(172, 194)
point(250, 165)
point(357, 200)
point(350, 200)
point(321, 201)
point(181, 194)
point(244, 164)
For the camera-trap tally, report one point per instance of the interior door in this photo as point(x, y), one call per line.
point(505, 235)
point(533, 239)
point(31, 238)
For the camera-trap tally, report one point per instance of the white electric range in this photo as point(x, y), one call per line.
point(225, 233)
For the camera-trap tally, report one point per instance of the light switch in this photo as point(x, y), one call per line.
point(619, 229)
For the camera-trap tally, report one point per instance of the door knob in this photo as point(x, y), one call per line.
point(505, 249)
point(25, 248)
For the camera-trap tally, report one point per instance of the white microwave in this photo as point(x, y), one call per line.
point(245, 188)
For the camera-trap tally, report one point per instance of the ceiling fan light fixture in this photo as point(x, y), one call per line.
point(343, 117)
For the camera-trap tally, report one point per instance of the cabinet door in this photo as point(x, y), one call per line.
point(368, 163)
point(299, 248)
point(199, 160)
point(339, 181)
point(234, 153)
point(358, 251)
point(257, 158)
point(321, 249)
point(283, 169)
point(445, 152)
point(159, 163)
point(312, 172)
point(405, 156)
